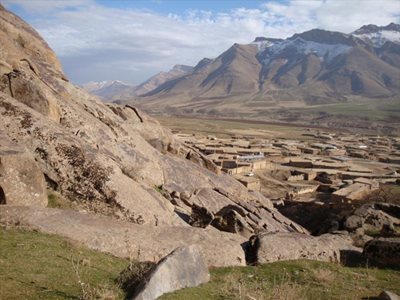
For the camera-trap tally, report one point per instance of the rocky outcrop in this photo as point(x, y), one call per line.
point(125, 239)
point(270, 247)
point(21, 180)
point(371, 220)
point(182, 268)
point(233, 219)
point(383, 252)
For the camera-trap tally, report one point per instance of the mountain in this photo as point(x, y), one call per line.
point(158, 79)
point(110, 90)
point(316, 67)
point(379, 35)
point(116, 90)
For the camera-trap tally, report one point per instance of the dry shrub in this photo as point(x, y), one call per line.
point(324, 276)
point(251, 287)
point(286, 291)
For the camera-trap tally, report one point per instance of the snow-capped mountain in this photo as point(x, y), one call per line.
point(116, 90)
point(97, 85)
point(110, 90)
point(313, 67)
point(379, 35)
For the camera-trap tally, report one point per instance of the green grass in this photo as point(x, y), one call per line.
point(56, 200)
point(293, 280)
point(373, 110)
point(39, 266)
point(226, 128)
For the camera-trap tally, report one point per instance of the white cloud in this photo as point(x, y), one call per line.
point(96, 42)
point(45, 6)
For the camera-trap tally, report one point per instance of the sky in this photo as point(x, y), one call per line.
point(131, 40)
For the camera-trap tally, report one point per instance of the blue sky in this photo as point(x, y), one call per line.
point(133, 39)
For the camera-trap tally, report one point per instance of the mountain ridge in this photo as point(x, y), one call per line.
point(316, 67)
point(116, 90)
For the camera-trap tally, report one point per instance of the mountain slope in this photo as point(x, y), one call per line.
point(316, 67)
point(158, 79)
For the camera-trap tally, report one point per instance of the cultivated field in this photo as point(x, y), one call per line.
point(226, 127)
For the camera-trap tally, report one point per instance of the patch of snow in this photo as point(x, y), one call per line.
point(324, 51)
point(262, 45)
point(379, 38)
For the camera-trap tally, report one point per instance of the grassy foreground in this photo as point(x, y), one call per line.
point(39, 266)
point(293, 280)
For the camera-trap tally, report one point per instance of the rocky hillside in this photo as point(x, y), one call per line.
point(110, 160)
point(316, 67)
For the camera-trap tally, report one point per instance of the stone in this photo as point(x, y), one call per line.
point(270, 247)
point(126, 239)
point(21, 180)
point(386, 295)
point(184, 267)
point(232, 219)
point(201, 216)
point(381, 218)
point(383, 252)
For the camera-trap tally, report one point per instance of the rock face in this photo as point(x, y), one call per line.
point(21, 180)
point(109, 159)
point(270, 247)
point(182, 268)
point(377, 219)
point(125, 239)
point(383, 252)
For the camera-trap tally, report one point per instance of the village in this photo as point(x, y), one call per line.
point(319, 166)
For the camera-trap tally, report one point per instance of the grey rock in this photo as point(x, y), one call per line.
point(232, 219)
point(182, 268)
point(383, 252)
point(386, 295)
point(375, 217)
point(270, 247)
point(21, 180)
point(201, 216)
point(125, 239)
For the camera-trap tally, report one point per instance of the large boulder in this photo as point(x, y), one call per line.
point(21, 180)
point(125, 239)
point(182, 268)
point(383, 252)
point(270, 247)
